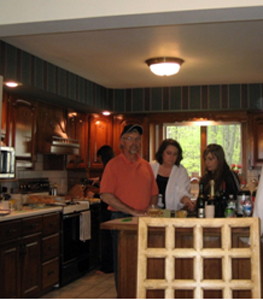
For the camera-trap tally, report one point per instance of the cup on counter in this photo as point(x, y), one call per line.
point(154, 211)
point(6, 205)
point(209, 211)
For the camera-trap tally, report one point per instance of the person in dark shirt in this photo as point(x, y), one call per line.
point(105, 154)
point(218, 170)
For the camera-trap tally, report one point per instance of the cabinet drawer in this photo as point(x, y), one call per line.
point(51, 224)
point(50, 273)
point(10, 230)
point(50, 247)
point(32, 225)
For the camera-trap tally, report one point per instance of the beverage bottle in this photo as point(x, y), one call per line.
point(221, 202)
point(160, 201)
point(243, 195)
point(200, 202)
point(230, 211)
point(210, 205)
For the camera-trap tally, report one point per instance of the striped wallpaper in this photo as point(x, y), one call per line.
point(51, 80)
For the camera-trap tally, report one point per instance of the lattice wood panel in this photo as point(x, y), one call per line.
point(198, 253)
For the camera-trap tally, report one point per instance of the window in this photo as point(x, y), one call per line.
point(194, 136)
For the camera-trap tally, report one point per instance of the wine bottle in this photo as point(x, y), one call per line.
point(200, 202)
point(221, 202)
point(210, 205)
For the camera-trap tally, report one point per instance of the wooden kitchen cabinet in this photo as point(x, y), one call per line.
point(29, 255)
point(255, 133)
point(18, 128)
point(20, 252)
point(10, 247)
point(50, 251)
point(100, 134)
point(78, 130)
point(51, 121)
point(23, 132)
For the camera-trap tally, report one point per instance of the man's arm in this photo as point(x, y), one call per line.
point(154, 200)
point(117, 204)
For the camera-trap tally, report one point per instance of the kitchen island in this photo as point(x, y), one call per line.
point(128, 249)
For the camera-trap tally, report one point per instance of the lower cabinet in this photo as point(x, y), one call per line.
point(29, 265)
point(50, 251)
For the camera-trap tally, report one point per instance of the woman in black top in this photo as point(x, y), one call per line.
point(218, 170)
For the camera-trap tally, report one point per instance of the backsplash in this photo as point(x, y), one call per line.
point(58, 177)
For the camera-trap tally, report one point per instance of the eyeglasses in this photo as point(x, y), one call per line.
point(132, 139)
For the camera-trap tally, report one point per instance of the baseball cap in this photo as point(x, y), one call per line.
point(131, 127)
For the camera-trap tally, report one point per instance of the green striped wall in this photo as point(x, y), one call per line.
point(189, 98)
point(58, 83)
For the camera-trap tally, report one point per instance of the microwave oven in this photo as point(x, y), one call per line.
point(7, 162)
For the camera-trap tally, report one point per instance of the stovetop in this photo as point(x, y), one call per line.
point(70, 208)
point(33, 185)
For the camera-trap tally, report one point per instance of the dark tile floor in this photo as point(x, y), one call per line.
point(91, 285)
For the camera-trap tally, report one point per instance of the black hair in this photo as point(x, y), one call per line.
point(165, 143)
point(106, 153)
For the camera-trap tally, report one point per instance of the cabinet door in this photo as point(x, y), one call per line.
point(51, 121)
point(78, 130)
point(256, 139)
point(23, 137)
point(100, 135)
point(9, 270)
point(30, 266)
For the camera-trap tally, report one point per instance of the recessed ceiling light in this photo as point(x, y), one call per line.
point(106, 113)
point(12, 84)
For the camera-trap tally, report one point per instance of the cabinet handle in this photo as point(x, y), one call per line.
point(33, 225)
point(10, 231)
point(50, 273)
point(22, 249)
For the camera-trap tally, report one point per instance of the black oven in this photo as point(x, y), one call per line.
point(75, 254)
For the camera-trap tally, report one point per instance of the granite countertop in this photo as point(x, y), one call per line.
point(29, 212)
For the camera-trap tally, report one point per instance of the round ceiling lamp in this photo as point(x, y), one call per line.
point(164, 66)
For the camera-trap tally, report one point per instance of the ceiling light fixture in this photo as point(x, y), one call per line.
point(106, 113)
point(164, 66)
point(12, 84)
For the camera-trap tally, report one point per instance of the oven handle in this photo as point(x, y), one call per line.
point(73, 215)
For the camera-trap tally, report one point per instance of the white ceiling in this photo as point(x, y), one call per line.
point(216, 50)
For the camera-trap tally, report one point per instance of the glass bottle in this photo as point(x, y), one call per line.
point(210, 205)
point(243, 195)
point(221, 202)
point(160, 201)
point(200, 202)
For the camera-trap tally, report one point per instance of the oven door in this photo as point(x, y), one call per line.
point(75, 254)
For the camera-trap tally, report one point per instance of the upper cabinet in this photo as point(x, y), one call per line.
point(78, 130)
point(255, 134)
point(51, 124)
point(100, 134)
point(19, 129)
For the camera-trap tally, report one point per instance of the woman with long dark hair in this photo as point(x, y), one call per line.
point(218, 170)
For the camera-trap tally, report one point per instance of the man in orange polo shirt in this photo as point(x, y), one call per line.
point(128, 185)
